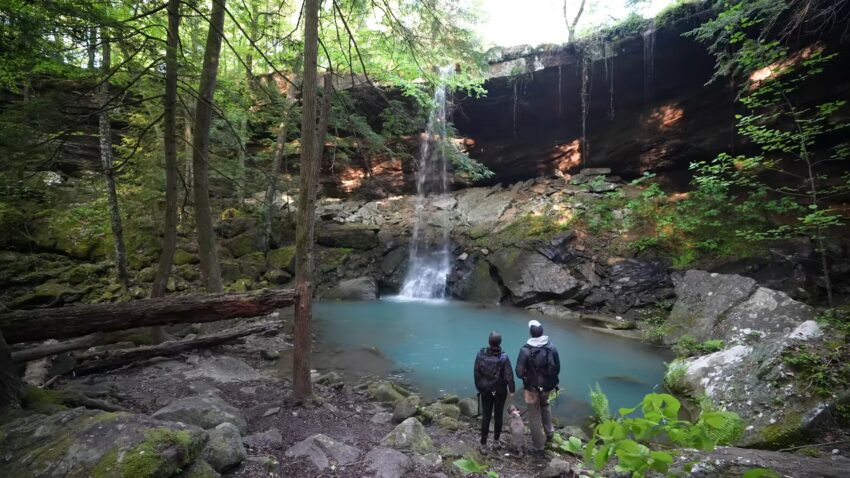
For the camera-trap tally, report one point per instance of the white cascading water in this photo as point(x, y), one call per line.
point(430, 262)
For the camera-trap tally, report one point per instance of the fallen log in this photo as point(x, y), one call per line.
point(99, 361)
point(68, 322)
point(35, 353)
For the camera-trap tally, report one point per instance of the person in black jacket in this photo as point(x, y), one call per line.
point(538, 365)
point(494, 380)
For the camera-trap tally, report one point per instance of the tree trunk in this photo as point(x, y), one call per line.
point(28, 355)
point(187, 151)
point(92, 48)
point(304, 229)
point(118, 358)
point(169, 240)
point(75, 321)
point(11, 386)
point(210, 273)
point(106, 163)
point(271, 191)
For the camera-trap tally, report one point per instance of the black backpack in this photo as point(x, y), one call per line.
point(541, 368)
point(488, 371)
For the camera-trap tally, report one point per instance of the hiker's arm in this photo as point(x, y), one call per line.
point(520, 363)
point(557, 359)
point(508, 373)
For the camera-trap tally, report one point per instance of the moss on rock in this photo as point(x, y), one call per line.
point(282, 258)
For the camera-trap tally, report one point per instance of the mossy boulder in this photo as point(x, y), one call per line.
point(252, 265)
point(478, 285)
point(47, 293)
point(229, 270)
point(183, 257)
point(241, 245)
point(239, 285)
point(97, 444)
point(282, 258)
point(148, 274)
point(188, 273)
point(779, 402)
point(409, 435)
point(386, 392)
point(330, 259)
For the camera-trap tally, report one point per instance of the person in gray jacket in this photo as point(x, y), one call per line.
point(538, 365)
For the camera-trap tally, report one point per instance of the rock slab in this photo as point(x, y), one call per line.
point(205, 411)
point(388, 463)
point(323, 451)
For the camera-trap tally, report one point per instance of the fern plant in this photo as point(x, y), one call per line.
point(599, 404)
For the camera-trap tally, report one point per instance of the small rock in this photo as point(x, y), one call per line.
point(463, 257)
point(267, 354)
point(200, 469)
point(405, 408)
point(409, 435)
point(267, 439)
point(224, 449)
point(388, 463)
point(437, 410)
point(556, 468)
point(448, 423)
point(331, 379)
point(468, 407)
point(485, 252)
point(428, 461)
point(323, 451)
point(381, 418)
point(574, 431)
point(450, 399)
point(271, 411)
point(385, 392)
point(205, 411)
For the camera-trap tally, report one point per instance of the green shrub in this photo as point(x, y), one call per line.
point(688, 346)
point(628, 438)
point(674, 378)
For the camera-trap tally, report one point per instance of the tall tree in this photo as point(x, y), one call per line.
point(107, 163)
point(169, 241)
point(210, 272)
point(571, 25)
point(312, 141)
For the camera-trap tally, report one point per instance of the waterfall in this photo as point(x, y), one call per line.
point(429, 262)
point(648, 61)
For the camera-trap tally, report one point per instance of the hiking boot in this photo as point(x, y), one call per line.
point(482, 448)
point(496, 445)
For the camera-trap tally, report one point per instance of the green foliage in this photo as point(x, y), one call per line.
point(838, 320)
point(688, 346)
point(470, 466)
point(760, 473)
point(599, 404)
point(145, 458)
point(674, 377)
point(822, 370)
point(628, 438)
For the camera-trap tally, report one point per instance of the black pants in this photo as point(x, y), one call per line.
point(492, 405)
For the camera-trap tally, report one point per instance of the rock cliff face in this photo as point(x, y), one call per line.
point(649, 107)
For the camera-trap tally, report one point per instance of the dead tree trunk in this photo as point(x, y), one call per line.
point(210, 272)
point(118, 358)
point(28, 355)
point(68, 322)
point(11, 386)
point(304, 229)
point(169, 241)
point(106, 163)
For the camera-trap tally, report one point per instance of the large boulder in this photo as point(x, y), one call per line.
point(530, 277)
point(354, 236)
point(361, 288)
point(394, 267)
point(776, 401)
point(478, 285)
point(388, 463)
point(701, 300)
point(636, 283)
point(221, 369)
point(82, 443)
point(730, 462)
point(765, 312)
point(224, 449)
point(731, 308)
point(205, 411)
point(409, 435)
point(481, 208)
point(323, 451)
